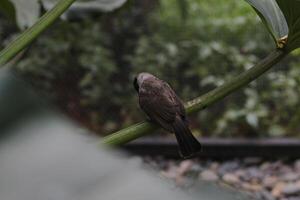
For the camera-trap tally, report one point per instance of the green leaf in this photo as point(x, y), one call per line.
point(104, 5)
point(27, 12)
point(7, 8)
point(183, 6)
point(101, 5)
point(24, 39)
point(291, 11)
point(272, 17)
point(276, 131)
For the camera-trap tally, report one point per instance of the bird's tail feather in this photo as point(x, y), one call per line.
point(188, 144)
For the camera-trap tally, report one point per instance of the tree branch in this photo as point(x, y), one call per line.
point(138, 130)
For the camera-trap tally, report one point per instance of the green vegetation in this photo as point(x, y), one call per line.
point(87, 66)
point(31, 33)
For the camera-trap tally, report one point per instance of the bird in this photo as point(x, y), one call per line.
point(164, 108)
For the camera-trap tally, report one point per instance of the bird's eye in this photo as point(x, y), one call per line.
point(135, 84)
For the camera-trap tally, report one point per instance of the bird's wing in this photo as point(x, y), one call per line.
point(177, 101)
point(158, 105)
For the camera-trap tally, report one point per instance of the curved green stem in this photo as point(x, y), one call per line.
point(235, 83)
point(135, 131)
point(31, 33)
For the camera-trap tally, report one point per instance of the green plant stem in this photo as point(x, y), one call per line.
point(135, 131)
point(33, 32)
point(235, 83)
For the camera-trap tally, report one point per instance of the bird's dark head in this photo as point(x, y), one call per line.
point(135, 84)
point(140, 78)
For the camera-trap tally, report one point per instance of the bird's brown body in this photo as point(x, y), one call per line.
point(159, 101)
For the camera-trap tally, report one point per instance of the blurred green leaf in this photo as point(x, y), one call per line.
point(252, 119)
point(27, 12)
point(291, 11)
point(102, 5)
point(183, 6)
point(7, 8)
point(276, 131)
point(271, 16)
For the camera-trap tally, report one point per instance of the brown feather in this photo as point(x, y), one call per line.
point(164, 107)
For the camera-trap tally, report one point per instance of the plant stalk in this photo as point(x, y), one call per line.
point(135, 131)
point(33, 32)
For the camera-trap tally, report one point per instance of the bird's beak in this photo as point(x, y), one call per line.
point(135, 84)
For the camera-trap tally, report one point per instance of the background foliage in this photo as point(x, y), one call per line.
point(86, 65)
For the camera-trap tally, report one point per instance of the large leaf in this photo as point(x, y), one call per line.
point(291, 11)
point(7, 8)
point(282, 18)
point(103, 5)
point(28, 11)
point(272, 17)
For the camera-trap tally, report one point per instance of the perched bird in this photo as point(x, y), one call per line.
point(161, 104)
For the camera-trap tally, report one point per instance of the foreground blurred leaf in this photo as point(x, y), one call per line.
point(7, 8)
point(272, 17)
point(27, 12)
point(291, 11)
point(103, 5)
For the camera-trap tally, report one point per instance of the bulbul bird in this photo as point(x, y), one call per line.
point(161, 104)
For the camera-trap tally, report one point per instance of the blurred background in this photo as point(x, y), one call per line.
point(85, 64)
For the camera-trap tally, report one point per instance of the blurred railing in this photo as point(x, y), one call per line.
point(221, 148)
